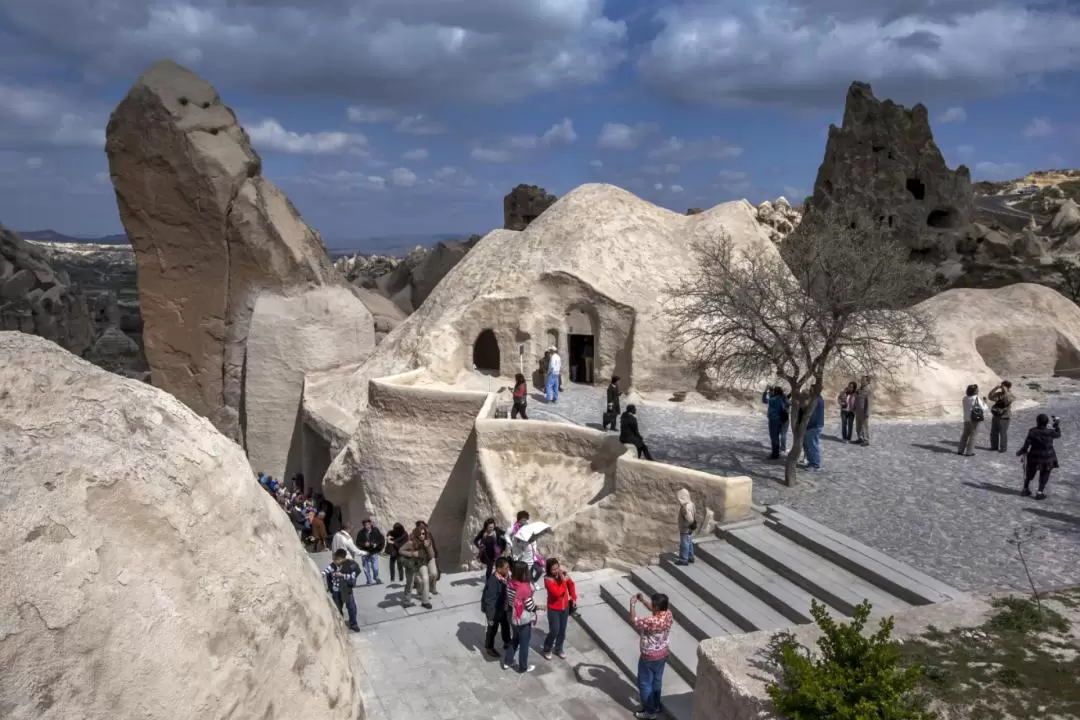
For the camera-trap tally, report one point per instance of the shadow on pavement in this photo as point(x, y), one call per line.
point(1052, 515)
point(1000, 490)
point(935, 448)
point(609, 682)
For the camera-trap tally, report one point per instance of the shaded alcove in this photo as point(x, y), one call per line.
point(486, 352)
point(944, 218)
point(916, 188)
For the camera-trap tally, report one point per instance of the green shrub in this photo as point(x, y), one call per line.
point(851, 677)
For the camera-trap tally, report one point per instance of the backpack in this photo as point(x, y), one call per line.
point(522, 592)
point(977, 414)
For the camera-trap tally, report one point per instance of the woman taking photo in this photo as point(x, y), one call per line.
point(561, 594)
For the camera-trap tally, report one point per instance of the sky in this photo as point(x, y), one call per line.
point(382, 117)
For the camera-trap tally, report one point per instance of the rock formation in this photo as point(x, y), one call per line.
point(524, 204)
point(779, 218)
point(146, 573)
point(882, 163)
point(209, 233)
point(290, 336)
point(35, 299)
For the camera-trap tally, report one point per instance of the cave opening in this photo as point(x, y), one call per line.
point(916, 188)
point(944, 218)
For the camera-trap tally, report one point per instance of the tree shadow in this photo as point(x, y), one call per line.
point(724, 457)
point(609, 682)
point(989, 487)
point(934, 448)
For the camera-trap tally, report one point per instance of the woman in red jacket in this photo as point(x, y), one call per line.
point(561, 594)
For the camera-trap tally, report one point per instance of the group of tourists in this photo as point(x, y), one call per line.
point(853, 402)
point(309, 515)
point(1037, 454)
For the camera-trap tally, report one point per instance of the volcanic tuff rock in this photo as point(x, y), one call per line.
point(524, 204)
point(779, 218)
point(35, 299)
point(145, 572)
point(209, 232)
point(882, 163)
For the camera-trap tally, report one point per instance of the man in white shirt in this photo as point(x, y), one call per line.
point(343, 541)
point(554, 369)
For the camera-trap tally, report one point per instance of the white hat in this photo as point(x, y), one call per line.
point(552, 348)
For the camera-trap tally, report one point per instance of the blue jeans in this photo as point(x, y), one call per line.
point(686, 547)
point(556, 636)
point(551, 388)
point(344, 597)
point(520, 642)
point(650, 680)
point(812, 447)
point(370, 563)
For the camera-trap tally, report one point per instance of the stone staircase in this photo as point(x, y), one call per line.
point(758, 574)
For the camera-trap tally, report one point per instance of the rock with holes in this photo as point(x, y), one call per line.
point(986, 336)
point(208, 231)
point(882, 163)
point(36, 300)
point(146, 573)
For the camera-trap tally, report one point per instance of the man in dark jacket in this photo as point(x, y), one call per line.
point(1039, 454)
point(812, 438)
point(630, 435)
point(611, 414)
point(371, 541)
point(1000, 416)
point(493, 605)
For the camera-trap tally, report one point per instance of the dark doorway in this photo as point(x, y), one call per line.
point(581, 353)
point(944, 218)
point(916, 188)
point(485, 354)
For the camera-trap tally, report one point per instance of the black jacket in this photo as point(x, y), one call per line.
point(499, 545)
point(629, 432)
point(1039, 446)
point(371, 541)
point(395, 542)
point(493, 601)
point(613, 398)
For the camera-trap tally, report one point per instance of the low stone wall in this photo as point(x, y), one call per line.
point(733, 672)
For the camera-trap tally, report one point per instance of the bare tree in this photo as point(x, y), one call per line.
point(841, 302)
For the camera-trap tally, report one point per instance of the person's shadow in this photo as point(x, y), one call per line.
point(609, 682)
point(471, 636)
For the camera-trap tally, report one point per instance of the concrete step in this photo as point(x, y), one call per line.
point(779, 593)
point(699, 618)
point(832, 585)
point(752, 521)
point(612, 633)
point(681, 644)
point(725, 595)
point(903, 581)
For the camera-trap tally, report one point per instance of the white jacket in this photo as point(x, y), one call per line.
point(972, 401)
point(554, 364)
point(343, 541)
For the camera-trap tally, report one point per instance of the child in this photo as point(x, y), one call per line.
point(522, 610)
point(340, 576)
point(493, 603)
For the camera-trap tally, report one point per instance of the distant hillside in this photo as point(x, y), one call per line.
point(53, 236)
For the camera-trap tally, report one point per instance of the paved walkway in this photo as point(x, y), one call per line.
point(909, 494)
point(429, 664)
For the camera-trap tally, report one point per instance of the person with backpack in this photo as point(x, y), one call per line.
point(397, 537)
point(974, 413)
point(687, 521)
point(1039, 455)
point(418, 552)
point(521, 398)
point(493, 604)
point(561, 596)
point(1000, 415)
point(522, 609)
point(490, 544)
point(340, 577)
point(654, 631)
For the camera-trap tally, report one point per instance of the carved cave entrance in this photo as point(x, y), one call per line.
point(944, 218)
point(485, 352)
point(581, 345)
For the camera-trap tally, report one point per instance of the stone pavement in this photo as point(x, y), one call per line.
point(429, 664)
point(908, 494)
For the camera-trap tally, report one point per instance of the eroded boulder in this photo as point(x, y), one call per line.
point(146, 573)
point(524, 204)
point(208, 231)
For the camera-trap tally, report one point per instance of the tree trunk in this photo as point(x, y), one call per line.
point(798, 431)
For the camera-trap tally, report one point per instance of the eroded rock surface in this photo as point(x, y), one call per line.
point(882, 163)
point(146, 574)
point(524, 204)
point(209, 233)
point(778, 217)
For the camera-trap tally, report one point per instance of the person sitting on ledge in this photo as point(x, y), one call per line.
point(630, 435)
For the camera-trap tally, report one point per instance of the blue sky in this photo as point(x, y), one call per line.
point(416, 116)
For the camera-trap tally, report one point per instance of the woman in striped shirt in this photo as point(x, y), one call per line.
point(521, 608)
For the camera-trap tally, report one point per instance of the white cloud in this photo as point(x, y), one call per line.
point(419, 125)
point(384, 53)
point(618, 136)
point(954, 114)
point(596, 164)
point(658, 186)
point(340, 182)
point(453, 177)
point(999, 171)
point(416, 154)
point(367, 115)
point(965, 150)
point(676, 188)
point(668, 169)
point(32, 115)
point(491, 155)
point(403, 177)
point(794, 194)
point(561, 133)
point(713, 148)
point(806, 52)
point(271, 135)
point(1039, 127)
point(34, 163)
point(731, 175)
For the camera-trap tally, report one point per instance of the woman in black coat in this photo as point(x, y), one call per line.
point(1039, 454)
point(490, 545)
